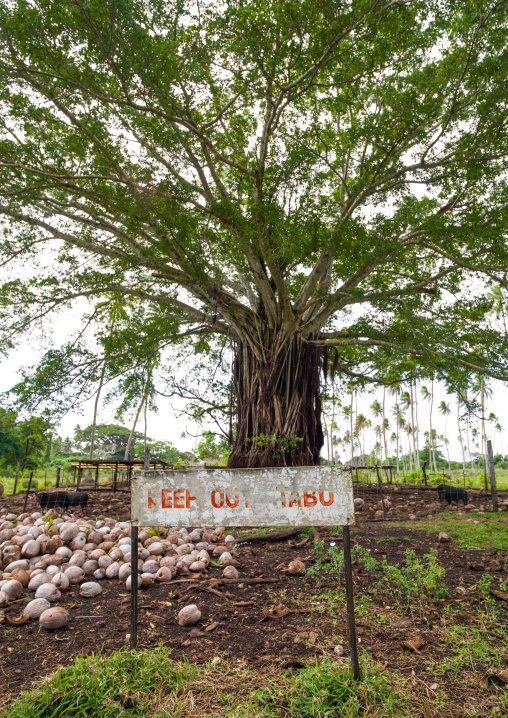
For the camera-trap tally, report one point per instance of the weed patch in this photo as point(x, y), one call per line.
point(150, 684)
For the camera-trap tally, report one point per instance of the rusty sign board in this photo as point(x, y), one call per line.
point(296, 496)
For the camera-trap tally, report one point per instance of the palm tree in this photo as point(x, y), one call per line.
point(385, 426)
point(480, 388)
point(499, 429)
point(395, 391)
point(445, 410)
point(428, 434)
point(347, 412)
point(378, 432)
point(377, 410)
point(409, 432)
point(361, 423)
point(415, 427)
point(406, 402)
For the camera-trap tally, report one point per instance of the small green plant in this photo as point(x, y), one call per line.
point(49, 521)
point(484, 587)
point(331, 560)
point(418, 575)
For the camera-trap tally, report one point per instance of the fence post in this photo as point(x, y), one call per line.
point(57, 477)
point(115, 476)
point(353, 643)
point(146, 464)
point(79, 477)
point(380, 491)
point(28, 490)
point(492, 472)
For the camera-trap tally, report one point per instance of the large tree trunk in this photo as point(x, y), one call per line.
point(278, 404)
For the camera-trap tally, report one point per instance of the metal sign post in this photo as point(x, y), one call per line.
point(134, 585)
point(353, 642)
point(288, 496)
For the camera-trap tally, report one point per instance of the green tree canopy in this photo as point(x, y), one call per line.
point(316, 184)
point(111, 440)
point(23, 444)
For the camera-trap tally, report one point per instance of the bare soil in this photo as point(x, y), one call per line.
point(235, 625)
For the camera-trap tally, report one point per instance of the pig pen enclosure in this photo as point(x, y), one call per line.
point(431, 600)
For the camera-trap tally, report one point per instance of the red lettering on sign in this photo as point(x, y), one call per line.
point(322, 498)
point(232, 504)
point(247, 505)
point(217, 504)
point(188, 499)
point(151, 502)
point(283, 498)
point(177, 499)
point(295, 500)
point(310, 499)
point(167, 498)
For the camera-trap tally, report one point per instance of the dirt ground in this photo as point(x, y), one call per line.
point(311, 612)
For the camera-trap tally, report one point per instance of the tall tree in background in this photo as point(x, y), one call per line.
point(252, 171)
point(377, 410)
point(445, 411)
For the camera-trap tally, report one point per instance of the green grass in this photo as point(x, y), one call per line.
point(469, 646)
point(486, 534)
point(149, 684)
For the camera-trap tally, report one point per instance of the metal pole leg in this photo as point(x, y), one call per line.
point(353, 643)
point(134, 586)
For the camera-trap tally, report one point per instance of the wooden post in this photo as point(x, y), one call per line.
point(380, 490)
point(492, 472)
point(74, 477)
point(146, 464)
point(57, 484)
point(28, 490)
point(115, 476)
point(79, 477)
point(97, 477)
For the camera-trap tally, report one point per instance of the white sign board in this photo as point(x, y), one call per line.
point(298, 496)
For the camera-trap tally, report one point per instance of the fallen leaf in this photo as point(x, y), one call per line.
point(276, 612)
point(313, 636)
point(211, 627)
point(503, 595)
point(496, 675)
point(186, 643)
point(17, 621)
point(413, 645)
point(428, 712)
point(196, 633)
point(475, 566)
